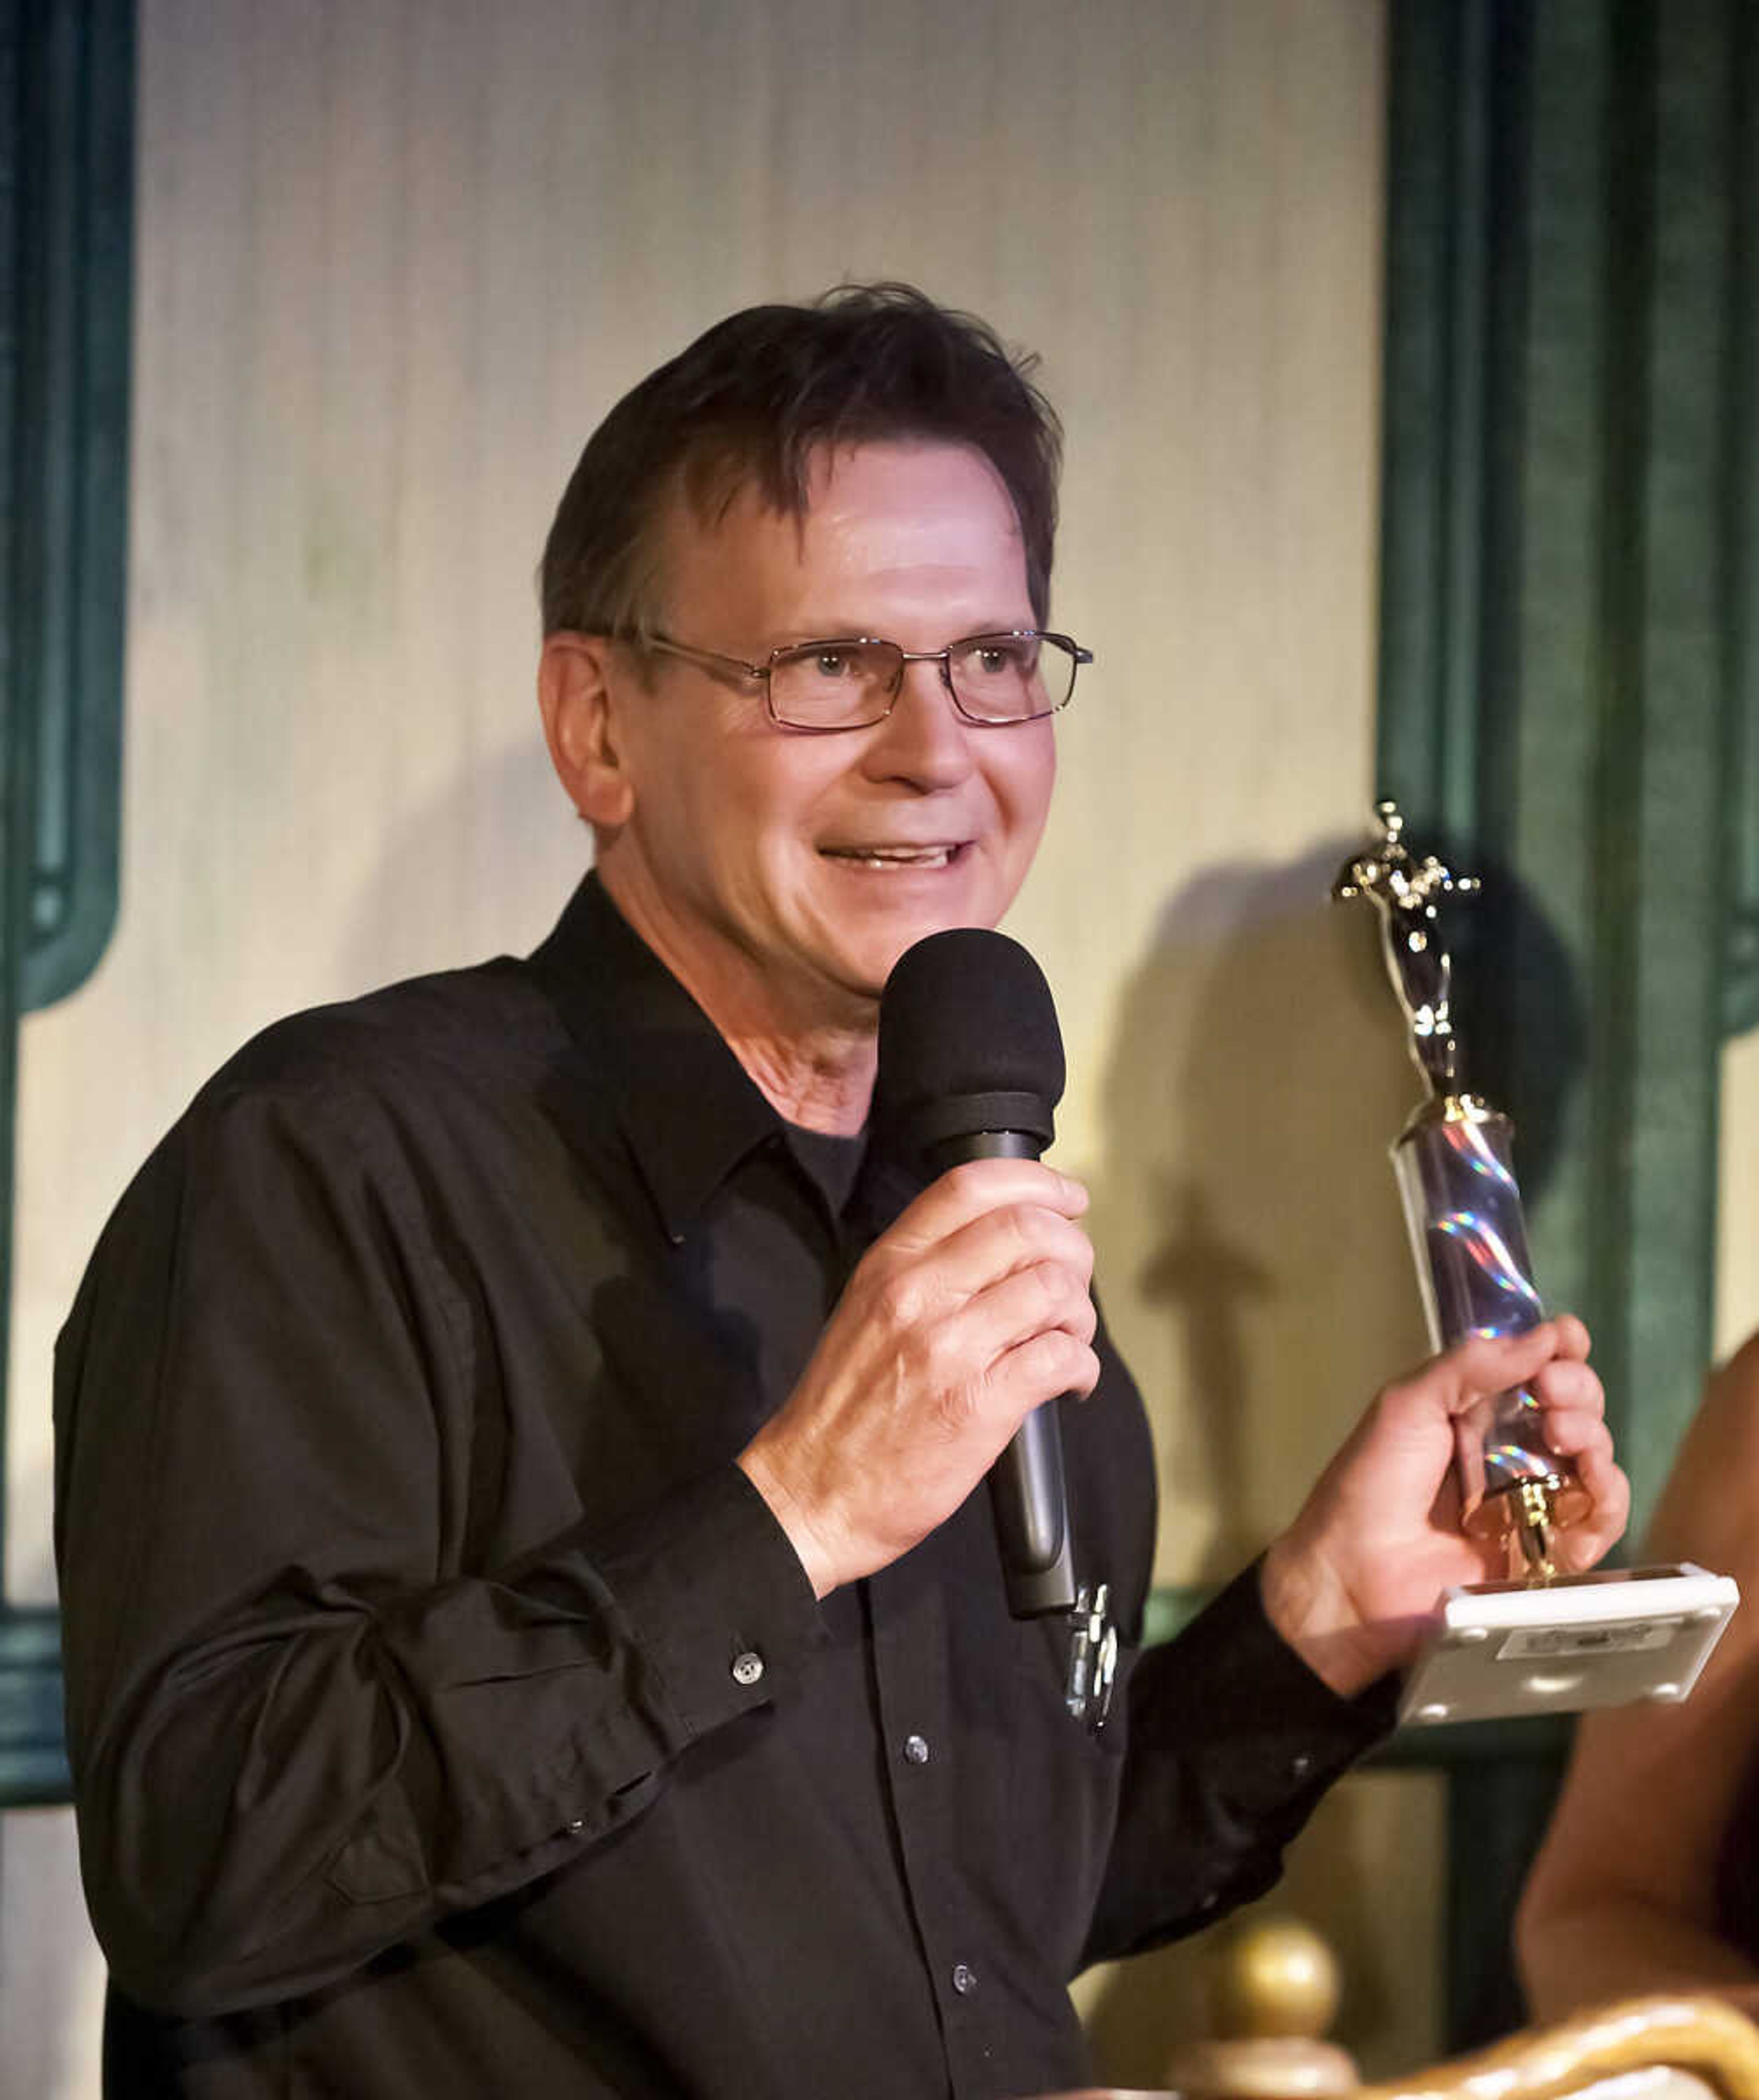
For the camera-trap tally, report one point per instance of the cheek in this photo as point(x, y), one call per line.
point(1023, 787)
point(761, 813)
point(784, 791)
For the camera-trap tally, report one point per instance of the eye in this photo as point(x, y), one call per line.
point(1002, 655)
point(834, 663)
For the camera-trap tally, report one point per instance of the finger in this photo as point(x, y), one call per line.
point(1043, 1368)
point(981, 1186)
point(1014, 1238)
point(1568, 1385)
point(997, 1244)
point(1044, 1299)
point(1595, 1464)
point(1570, 1431)
point(1573, 1337)
point(1489, 1363)
point(1609, 1509)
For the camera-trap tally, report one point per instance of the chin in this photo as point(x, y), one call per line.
point(858, 950)
point(868, 970)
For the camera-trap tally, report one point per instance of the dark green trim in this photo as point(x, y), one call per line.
point(1740, 1009)
point(67, 86)
point(33, 1744)
point(74, 239)
point(17, 712)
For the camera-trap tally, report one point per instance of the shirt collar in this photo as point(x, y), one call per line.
point(688, 1109)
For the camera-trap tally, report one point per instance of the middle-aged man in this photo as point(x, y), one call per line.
point(533, 1626)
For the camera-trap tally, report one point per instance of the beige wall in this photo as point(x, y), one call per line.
point(1738, 1221)
point(395, 259)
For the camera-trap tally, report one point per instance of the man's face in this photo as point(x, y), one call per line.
point(795, 867)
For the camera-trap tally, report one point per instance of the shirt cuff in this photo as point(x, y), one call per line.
point(1302, 1733)
point(715, 1598)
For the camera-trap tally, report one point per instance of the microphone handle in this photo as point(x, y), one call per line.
point(1027, 1490)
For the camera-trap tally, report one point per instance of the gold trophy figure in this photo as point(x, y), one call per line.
point(1540, 1639)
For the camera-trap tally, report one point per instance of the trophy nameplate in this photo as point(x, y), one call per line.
point(1544, 1640)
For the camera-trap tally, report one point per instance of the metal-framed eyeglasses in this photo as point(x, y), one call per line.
point(994, 681)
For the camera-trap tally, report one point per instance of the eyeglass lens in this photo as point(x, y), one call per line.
point(996, 678)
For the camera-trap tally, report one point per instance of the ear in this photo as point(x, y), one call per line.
point(579, 684)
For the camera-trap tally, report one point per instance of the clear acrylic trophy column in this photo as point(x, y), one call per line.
point(1541, 1641)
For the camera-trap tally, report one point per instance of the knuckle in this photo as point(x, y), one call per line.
point(1073, 1366)
point(1391, 1403)
point(965, 1181)
point(897, 1302)
point(1048, 1286)
point(1069, 1287)
point(1072, 1302)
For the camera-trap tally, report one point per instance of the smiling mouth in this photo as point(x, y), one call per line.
point(931, 857)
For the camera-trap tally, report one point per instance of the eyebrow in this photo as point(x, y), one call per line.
point(856, 630)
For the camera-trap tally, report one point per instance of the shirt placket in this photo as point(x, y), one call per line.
point(913, 1696)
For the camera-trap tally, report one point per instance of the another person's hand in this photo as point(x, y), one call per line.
point(1350, 1584)
point(970, 1311)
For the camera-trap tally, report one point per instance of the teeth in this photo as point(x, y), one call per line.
point(893, 856)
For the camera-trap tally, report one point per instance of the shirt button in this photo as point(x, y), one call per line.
point(576, 1826)
point(964, 1979)
point(1300, 1766)
point(915, 1749)
point(748, 1668)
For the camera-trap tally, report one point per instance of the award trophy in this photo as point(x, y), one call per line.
point(1541, 1640)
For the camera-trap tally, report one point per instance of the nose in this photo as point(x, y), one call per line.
point(924, 740)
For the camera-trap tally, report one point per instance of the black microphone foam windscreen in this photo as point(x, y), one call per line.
point(968, 1042)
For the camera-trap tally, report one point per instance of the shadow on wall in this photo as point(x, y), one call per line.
point(1261, 1288)
point(1245, 1214)
point(483, 868)
point(1264, 1289)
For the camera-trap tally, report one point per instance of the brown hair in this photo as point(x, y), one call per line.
point(753, 400)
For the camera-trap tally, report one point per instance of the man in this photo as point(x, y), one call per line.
point(532, 1624)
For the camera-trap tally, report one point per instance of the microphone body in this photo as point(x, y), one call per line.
point(1027, 1493)
point(975, 1073)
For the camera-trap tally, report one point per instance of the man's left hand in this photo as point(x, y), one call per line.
point(1351, 1584)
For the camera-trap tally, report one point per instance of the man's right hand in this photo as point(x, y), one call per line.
point(970, 1311)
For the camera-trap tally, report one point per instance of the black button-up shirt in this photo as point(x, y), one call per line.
point(450, 1716)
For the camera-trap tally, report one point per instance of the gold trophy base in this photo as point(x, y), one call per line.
point(1526, 1516)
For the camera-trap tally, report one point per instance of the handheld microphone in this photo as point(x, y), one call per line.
point(970, 1067)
